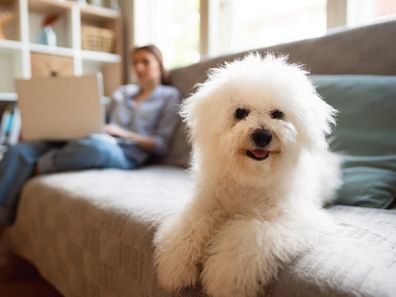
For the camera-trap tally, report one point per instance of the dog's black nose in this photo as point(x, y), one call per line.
point(262, 137)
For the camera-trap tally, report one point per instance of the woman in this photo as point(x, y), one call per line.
point(142, 120)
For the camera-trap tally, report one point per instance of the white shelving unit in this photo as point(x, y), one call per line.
point(16, 52)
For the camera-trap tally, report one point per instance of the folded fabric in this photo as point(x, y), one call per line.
point(365, 135)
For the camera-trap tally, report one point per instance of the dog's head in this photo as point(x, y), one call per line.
point(254, 116)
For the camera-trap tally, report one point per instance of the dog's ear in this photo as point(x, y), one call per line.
point(198, 112)
point(325, 114)
point(191, 110)
point(322, 121)
point(188, 110)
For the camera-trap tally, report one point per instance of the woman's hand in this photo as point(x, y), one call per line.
point(116, 131)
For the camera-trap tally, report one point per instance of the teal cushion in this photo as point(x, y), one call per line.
point(365, 135)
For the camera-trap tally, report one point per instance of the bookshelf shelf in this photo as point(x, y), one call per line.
point(10, 97)
point(52, 50)
point(94, 13)
point(100, 57)
point(50, 6)
point(10, 45)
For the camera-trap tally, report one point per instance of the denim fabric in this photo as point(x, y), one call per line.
point(17, 166)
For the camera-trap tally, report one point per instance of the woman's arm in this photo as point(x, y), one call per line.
point(146, 142)
point(167, 122)
point(158, 142)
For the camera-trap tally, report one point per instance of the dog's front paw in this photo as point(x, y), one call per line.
point(230, 282)
point(173, 275)
point(176, 259)
point(243, 259)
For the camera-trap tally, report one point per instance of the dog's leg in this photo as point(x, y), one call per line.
point(244, 256)
point(179, 243)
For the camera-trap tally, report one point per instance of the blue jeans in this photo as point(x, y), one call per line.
point(18, 164)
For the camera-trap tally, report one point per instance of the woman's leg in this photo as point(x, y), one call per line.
point(95, 151)
point(16, 167)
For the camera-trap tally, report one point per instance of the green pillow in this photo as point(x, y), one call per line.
point(365, 135)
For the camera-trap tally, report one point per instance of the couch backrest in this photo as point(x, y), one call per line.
point(362, 50)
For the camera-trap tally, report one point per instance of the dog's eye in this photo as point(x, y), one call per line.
point(277, 114)
point(241, 113)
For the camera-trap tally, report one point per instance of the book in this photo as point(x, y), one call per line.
point(15, 128)
point(5, 124)
point(10, 125)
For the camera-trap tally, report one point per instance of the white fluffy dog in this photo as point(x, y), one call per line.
point(262, 170)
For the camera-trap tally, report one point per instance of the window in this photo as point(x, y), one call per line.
point(360, 12)
point(188, 30)
point(250, 24)
point(172, 25)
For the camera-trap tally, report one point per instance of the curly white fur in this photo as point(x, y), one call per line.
point(250, 214)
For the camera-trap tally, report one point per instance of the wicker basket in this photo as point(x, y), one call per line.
point(97, 39)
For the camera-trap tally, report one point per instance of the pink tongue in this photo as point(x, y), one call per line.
point(259, 153)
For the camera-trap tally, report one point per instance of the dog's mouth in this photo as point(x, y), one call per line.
point(260, 155)
point(257, 155)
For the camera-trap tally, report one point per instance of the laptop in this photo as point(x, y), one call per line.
point(61, 108)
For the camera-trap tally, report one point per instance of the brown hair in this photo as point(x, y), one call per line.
point(155, 51)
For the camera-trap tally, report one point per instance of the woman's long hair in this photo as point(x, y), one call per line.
point(155, 51)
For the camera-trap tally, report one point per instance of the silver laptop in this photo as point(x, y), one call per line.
point(61, 108)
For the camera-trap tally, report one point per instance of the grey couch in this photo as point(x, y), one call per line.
point(90, 233)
